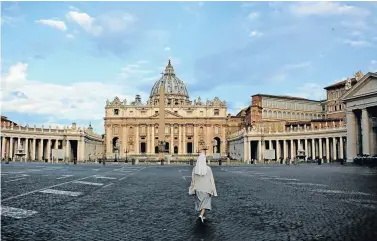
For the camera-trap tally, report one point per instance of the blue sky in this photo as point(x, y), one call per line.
point(60, 61)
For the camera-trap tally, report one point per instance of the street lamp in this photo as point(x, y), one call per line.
point(126, 151)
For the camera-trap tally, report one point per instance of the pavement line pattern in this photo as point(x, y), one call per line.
point(184, 177)
point(108, 185)
point(103, 177)
point(64, 176)
point(14, 180)
point(89, 183)
point(57, 185)
point(61, 192)
point(340, 192)
point(131, 174)
point(306, 184)
point(17, 213)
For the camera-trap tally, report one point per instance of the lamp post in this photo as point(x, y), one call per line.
point(126, 151)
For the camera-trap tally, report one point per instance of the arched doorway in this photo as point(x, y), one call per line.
point(116, 146)
point(216, 145)
point(175, 149)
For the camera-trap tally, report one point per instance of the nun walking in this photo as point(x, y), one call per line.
point(202, 186)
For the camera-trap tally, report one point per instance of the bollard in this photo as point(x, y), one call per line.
point(75, 161)
point(133, 161)
point(319, 161)
point(104, 161)
point(219, 162)
point(191, 162)
point(162, 162)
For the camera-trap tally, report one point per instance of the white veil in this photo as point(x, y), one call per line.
point(201, 165)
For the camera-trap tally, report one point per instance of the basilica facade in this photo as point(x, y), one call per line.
point(191, 126)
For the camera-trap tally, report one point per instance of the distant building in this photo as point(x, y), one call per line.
point(39, 143)
point(334, 106)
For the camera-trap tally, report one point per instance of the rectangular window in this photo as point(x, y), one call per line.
point(216, 112)
point(201, 113)
point(116, 111)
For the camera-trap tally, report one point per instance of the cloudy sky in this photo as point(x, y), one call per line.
point(60, 62)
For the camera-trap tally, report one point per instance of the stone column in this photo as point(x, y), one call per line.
point(270, 146)
point(335, 156)
point(152, 139)
point(313, 148)
point(366, 130)
point(67, 150)
point(40, 153)
point(306, 149)
point(285, 150)
point(278, 150)
point(260, 150)
point(320, 145)
point(224, 144)
point(3, 146)
point(18, 143)
point(351, 136)
point(184, 139)
point(137, 144)
point(172, 139)
point(11, 148)
point(341, 149)
point(328, 149)
point(26, 149)
point(292, 149)
point(245, 152)
point(180, 149)
point(33, 150)
point(195, 144)
point(48, 150)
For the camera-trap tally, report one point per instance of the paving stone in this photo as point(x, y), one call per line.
point(153, 204)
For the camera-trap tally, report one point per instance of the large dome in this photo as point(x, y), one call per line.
point(174, 87)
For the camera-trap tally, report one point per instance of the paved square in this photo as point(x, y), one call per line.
point(123, 202)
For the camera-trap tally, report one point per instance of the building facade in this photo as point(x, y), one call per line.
point(25, 143)
point(190, 126)
point(287, 125)
point(335, 108)
point(361, 115)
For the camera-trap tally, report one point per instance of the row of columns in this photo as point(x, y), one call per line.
point(314, 148)
point(362, 137)
point(151, 143)
point(36, 149)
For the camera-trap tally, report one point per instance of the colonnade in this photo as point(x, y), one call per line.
point(183, 139)
point(324, 148)
point(25, 148)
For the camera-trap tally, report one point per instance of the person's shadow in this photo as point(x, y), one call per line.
point(203, 230)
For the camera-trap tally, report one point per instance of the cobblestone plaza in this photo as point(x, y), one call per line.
point(123, 202)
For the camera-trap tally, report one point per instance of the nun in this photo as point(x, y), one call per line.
point(202, 186)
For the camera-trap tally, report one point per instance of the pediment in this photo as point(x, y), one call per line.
point(168, 114)
point(366, 85)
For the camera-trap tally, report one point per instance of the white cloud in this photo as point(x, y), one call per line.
point(167, 48)
point(255, 33)
point(326, 8)
point(253, 15)
point(296, 66)
point(356, 33)
point(311, 91)
point(57, 24)
point(247, 4)
point(355, 24)
point(357, 43)
point(85, 21)
point(70, 36)
point(279, 77)
point(193, 7)
point(283, 73)
point(80, 102)
point(373, 61)
point(117, 21)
